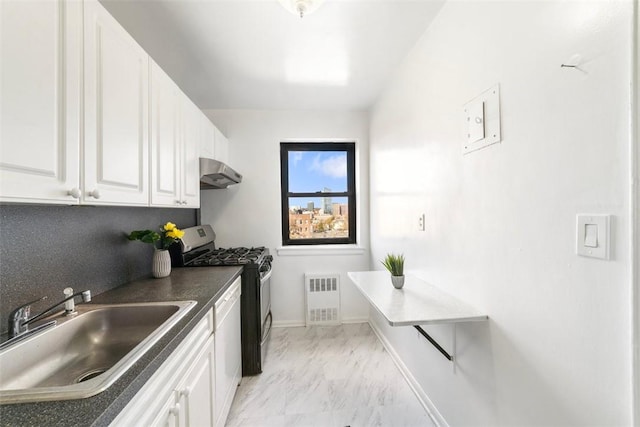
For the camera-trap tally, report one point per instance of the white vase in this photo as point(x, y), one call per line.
point(161, 265)
point(398, 281)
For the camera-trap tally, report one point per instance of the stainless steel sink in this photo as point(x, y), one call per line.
point(84, 354)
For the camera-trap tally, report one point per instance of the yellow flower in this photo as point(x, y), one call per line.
point(175, 233)
point(169, 226)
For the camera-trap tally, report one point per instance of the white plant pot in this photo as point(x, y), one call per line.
point(398, 281)
point(161, 266)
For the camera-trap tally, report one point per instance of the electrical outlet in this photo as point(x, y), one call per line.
point(421, 222)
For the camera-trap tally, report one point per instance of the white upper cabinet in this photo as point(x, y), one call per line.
point(175, 143)
point(47, 49)
point(190, 154)
point(165, 139)
point(116, 141)
point(40, 53)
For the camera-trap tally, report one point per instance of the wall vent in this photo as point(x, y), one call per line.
point(322, 298)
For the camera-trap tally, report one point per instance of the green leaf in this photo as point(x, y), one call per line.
point(145, 236)
point(394, 263)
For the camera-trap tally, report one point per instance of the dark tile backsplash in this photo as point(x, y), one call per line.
point(44, 249)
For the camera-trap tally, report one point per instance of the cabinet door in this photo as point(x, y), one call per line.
point(116, 143)
point(168, 415)
point(185, 375)
point(228, 363)
point(192, 134)
point(40, 53)
point(196, 392)
point(165, 139)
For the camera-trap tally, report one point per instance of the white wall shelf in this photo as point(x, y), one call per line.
point(417, 303)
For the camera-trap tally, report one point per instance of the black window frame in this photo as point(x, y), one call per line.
point(350, 149)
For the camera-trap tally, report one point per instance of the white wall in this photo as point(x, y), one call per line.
point(501, 221)
point(249, 214)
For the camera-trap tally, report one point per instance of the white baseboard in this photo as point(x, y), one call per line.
point(428, 405)
point(287, 323)
point(355, 320)
point(295, 323)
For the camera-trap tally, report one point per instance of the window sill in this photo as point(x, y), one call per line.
point(320, 250)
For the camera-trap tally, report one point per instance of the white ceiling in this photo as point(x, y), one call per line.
point(253, 54)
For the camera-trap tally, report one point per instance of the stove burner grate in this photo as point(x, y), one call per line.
point(232, 256)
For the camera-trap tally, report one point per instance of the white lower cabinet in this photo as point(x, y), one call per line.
point(196, 385)
point(167, 415)
point(181, 392)
point(191, 402)
point(228, 349)
point(196, 393)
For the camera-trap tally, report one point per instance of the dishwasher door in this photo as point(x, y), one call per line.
point(228, 352)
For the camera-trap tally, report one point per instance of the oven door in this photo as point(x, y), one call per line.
point(265, 309)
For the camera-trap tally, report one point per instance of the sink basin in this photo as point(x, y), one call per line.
point(84, 354)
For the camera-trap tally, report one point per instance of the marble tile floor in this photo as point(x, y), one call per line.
point(327, 376)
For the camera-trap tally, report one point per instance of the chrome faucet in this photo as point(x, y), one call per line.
point(19, 319)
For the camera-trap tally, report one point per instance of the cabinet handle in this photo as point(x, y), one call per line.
point(75, 193)
point(186, 392)
point(177, 202)
point(184, 202)
point(95, 194)
point(175, 411)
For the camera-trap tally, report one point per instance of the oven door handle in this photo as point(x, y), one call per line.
point(266, 277)
point(264, 338)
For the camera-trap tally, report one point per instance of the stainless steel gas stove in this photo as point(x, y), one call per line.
point(197, 249)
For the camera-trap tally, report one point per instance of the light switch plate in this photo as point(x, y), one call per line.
point(475, 122)
point(482, 120)
point(593, 235)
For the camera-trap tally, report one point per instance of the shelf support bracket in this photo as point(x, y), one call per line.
point(433, 342)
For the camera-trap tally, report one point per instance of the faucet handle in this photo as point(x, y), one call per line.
point(19, 316)
point(86, 296)
point(26, 307)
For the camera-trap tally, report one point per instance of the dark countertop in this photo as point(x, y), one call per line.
point(204, 285)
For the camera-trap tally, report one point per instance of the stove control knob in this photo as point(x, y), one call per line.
point(75, 193)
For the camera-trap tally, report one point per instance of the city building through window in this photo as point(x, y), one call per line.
point(318, 188)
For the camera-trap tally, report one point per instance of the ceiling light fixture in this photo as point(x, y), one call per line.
point(301, 7)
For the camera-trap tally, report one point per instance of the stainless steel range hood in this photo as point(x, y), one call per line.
point(214, 175)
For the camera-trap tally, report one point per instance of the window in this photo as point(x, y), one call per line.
point(318, 185)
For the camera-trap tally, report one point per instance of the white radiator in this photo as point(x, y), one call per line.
point(322, 299)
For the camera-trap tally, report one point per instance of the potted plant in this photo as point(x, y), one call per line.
point(395, 265)
point(169, 234)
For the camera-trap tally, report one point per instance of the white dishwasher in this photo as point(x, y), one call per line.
point(228, 351)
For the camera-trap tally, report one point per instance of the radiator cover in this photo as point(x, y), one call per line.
point(322, 297)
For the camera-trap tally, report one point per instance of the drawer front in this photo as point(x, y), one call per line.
point(145, 405)
point(226, 302)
